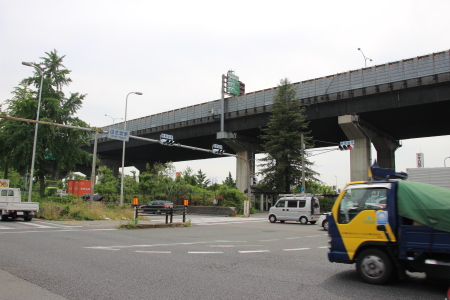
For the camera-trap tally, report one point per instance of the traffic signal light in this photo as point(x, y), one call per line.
point(254, 180)
point(345, 147)
point(241, 88)
point(348, 145)
point(166, 139)
point(217, 149)
point(168, 142)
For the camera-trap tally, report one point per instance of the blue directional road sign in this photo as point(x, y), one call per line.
point(121, 135)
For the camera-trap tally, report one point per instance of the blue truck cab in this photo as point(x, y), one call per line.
point(391, 226)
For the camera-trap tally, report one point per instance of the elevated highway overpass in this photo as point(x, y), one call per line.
point(382, 104)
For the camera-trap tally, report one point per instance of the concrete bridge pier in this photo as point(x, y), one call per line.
point(364, 134)
point(244, 167)
point(385, 145)
point(360, 156)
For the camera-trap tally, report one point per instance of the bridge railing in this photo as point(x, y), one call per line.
point(417, 67)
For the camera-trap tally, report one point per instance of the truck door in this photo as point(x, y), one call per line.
point(360, 220)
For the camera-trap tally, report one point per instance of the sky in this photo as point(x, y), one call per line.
point(175, 53)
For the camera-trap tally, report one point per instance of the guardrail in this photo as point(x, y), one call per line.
point(398, 71)
point(169, 212)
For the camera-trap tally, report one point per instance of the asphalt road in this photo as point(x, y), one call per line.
point(216, 258)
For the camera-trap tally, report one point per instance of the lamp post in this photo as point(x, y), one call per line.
point(113, 119)
point(123, 147)
point(444, 161)
point(28, 64)
point(365, 59)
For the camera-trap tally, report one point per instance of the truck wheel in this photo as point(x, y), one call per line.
point(3, 218)
point(272, 219)
point(374, 266)
point(303, 220)
point(27, 218)
point(325, 225)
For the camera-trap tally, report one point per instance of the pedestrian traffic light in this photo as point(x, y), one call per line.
point(241, 88)
point(347, 145)
point(166, 139)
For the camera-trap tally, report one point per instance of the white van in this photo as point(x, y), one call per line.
point(300, 208)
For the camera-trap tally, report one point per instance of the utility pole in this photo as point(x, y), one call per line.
point(303, 165)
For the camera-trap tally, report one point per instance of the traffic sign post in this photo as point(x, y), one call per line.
point(233, 85)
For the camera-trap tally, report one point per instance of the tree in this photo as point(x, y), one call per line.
point(188, 177)
point(57, 148)
point(282, 167)
point(108, 184)
point(201, 179)
point(229, 181)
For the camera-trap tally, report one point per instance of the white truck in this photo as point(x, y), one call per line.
point(11, 205)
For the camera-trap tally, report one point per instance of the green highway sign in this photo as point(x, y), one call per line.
point(232, 83)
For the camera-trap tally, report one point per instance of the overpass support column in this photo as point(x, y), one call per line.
point(360, 156)
point(363, 133)
point(385, 145)
point(244, 167)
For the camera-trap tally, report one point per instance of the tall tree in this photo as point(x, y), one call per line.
point(229, 181)
point(282, 166)
point(57, 148)
point(201, 179)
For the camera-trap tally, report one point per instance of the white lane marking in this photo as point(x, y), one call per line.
point(293, 238)
point(38, 231)
point(225, 241)
point(223, 221)
point(254, 251)
point(57, 225)
point(324, 247)
point(222, 246)
point(272, 240)
point(297, 249)
point(164, 252)
point(314, 235)
point(204, 252)
point(36, 225)
point(3, 227)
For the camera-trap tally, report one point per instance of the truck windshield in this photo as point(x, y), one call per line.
point(359, 199)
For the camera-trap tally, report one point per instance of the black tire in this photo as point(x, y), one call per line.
point(272, 219)
point(303, 220)
point(325, 225)
point(374, 266)
point(3, 218)
point(27, 218)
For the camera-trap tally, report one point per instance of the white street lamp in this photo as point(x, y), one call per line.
point(37, 67)
point(113, 119)
point(365, 59)
point(123, 147)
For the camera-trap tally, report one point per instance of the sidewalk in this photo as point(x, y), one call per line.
point(13, 287)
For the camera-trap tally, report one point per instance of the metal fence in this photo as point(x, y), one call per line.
point(421, 66)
